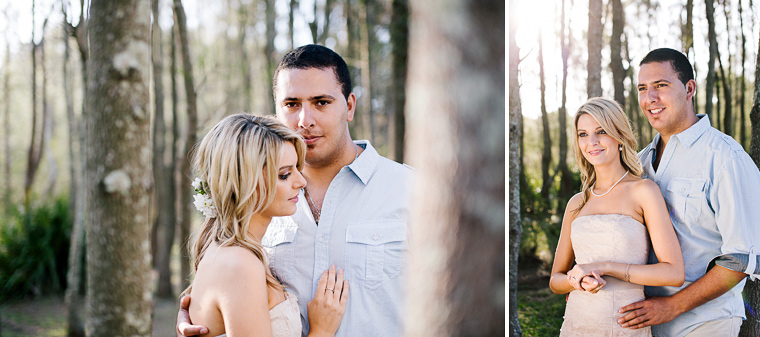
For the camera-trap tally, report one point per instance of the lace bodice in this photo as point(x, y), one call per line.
point(605, 238)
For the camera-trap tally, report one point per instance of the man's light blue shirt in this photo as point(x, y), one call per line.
point(362, 230)
point(710, 186)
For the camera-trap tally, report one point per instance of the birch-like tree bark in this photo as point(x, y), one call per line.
point(118, 171)
point(456, 96)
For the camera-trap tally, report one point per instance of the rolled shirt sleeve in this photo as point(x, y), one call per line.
point(736, 202)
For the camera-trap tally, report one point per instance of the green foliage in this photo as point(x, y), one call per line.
point(34, 249)
point(540, 312)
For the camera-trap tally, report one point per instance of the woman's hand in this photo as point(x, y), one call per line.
point(326, 310)
point(586, 277)
point(592, 283)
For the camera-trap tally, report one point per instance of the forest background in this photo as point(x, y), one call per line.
point(566, 51)
point(100, 102)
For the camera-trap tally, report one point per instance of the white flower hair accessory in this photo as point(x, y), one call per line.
point(203, 200)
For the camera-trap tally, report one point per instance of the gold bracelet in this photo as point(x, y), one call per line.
point(626, 273)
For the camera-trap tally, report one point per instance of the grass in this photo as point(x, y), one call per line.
point(539, 310)
point(46, 316)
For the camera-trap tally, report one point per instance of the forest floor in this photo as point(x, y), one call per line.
point(46, 316)
point(540, 311)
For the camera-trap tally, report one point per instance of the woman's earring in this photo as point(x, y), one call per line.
point(620, 147)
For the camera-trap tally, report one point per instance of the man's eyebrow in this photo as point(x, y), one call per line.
point(655, 82)
point(319, 97)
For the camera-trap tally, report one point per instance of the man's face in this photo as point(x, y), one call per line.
point(310, 102)
point(664, 99)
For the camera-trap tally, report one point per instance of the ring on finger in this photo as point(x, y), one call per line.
point(331, 289)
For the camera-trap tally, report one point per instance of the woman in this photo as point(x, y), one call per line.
point(249, 171)
point(607, 227)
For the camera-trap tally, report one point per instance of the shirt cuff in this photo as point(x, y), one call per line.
point(739, 262)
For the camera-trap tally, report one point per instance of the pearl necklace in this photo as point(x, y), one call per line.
point(608, 191)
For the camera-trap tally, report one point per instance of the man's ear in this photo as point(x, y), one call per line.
point(691, 89)
point(351, 107)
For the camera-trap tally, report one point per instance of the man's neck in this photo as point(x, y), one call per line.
point(318, 178)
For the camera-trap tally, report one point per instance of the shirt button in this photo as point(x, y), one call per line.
point(322, 239)
point(683, 189)
point(375, 237)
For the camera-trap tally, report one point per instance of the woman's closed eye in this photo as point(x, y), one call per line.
point(285, 176)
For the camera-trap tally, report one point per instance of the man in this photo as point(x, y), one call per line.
point(710, 185)
point(353, 212)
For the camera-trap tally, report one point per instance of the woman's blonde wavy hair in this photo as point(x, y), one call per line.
point(238, 159)
point(610, 116)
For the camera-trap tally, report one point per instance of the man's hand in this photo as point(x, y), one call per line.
point(652, 311)
point(184, 325)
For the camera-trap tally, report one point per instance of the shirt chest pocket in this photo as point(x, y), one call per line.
point(685, 199)
point(375, 251)
point(278, 243)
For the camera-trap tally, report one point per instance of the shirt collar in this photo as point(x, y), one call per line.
point(689, 136)
point(365, 164)
point(686, 137)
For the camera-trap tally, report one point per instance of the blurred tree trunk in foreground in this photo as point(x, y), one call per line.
point(186, 204)
point(515, 224)
point(751, 326)
point(456, 96)
point(119, 175)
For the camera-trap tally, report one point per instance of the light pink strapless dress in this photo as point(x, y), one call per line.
point(605, 238)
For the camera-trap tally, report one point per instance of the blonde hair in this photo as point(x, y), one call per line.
point(610, 116)
point(238, 159)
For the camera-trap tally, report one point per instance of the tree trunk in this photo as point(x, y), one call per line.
point(7, 127)
point(35, 148)
point(245, 63)
point(751, 326)
point(366, 113)
point(446, 72)
point(186, 205)
point(119, 175)
point(687, 29)
point(74, 299)
point(164, 220)
point(47, 120)
point(171, 169)
point(725, 81)
point(594, 64)
point(616, 52)
point(269, 51)
point(565, 181)
point(713, 43)
point(515, 223)
point(399, 29)
point(742, 84)
point(291, 21)
point(546, 156)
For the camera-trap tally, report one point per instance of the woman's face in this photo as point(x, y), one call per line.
point(289, 182)
point(597, 146)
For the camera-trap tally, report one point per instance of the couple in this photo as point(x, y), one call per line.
point(294, 209)
point(619, 255)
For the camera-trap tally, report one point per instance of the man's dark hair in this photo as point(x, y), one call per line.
point(678, 61)
point(319, 57)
